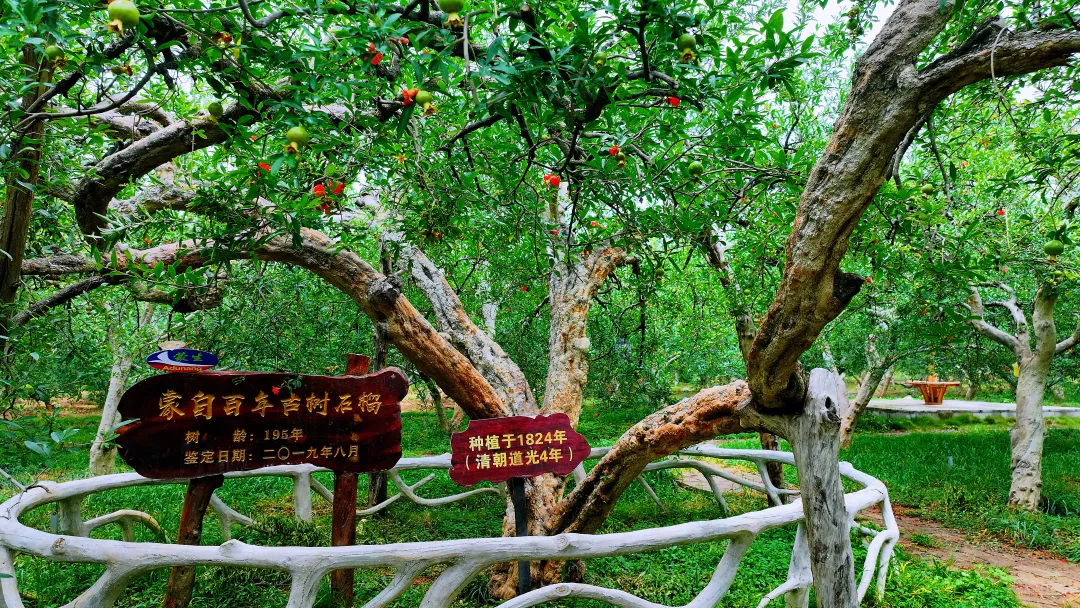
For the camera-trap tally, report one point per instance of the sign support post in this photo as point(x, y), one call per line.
point(196, 500)
point(343, 516)
point(343, 533)
point(521, 522)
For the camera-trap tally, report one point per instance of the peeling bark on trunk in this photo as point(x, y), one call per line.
point(1027, 435)
point(486, 355)
point(814, 434)
point(573, 285)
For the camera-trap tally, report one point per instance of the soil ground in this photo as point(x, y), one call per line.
point(1040, 580)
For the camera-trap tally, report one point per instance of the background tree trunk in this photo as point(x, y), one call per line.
point(1027, 434)
point(1034, 368)
point(883, 386)
point(378, 483)
point(869, 385)
point(437, 403)
point(103, 458)
point(18, 190)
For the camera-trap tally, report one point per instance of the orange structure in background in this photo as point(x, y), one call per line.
point(932, 389)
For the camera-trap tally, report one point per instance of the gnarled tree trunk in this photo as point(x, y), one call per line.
point(1027, 434)
point(1034, 367)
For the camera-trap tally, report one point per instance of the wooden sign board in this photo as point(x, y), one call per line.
point(498, 449)
point(195, 425)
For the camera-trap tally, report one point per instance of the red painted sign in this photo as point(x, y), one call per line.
point(498, 449)
point(194, 425)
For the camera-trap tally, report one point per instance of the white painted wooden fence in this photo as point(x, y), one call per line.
point(126, 560)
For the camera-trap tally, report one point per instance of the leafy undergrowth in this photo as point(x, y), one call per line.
point(671, 576)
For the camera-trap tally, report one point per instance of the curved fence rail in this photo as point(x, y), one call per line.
point(126, 560)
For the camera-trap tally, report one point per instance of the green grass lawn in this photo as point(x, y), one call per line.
point(671, 576)
point(961, 478)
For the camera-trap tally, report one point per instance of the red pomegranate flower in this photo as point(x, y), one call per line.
point(275, 390)
point(264, 167)
point(554, 231)
point(338, 188)
point(319, 190)
point(614, 150)
point(376, 59)
point(552, 180)
point(407, 96)
point(673, 101)
point(523, 288)
point(1001, 212)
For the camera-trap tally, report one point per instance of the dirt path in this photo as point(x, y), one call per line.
point(1040, 580)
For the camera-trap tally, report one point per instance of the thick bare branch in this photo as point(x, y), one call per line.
point(486, 355)
point(378, 295)
point(125, 126)
point(59, 265)
point(112, 173)
point(1069, 342)
point(572, 286)
point(994, 52)
point(57, 298)
point(975, 307)
point(888, 98)
point(708, 414)
point(155, 198)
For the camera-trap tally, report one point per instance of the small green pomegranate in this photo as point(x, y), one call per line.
point(453, 8)
point(1054, 248)
point(122, 14)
